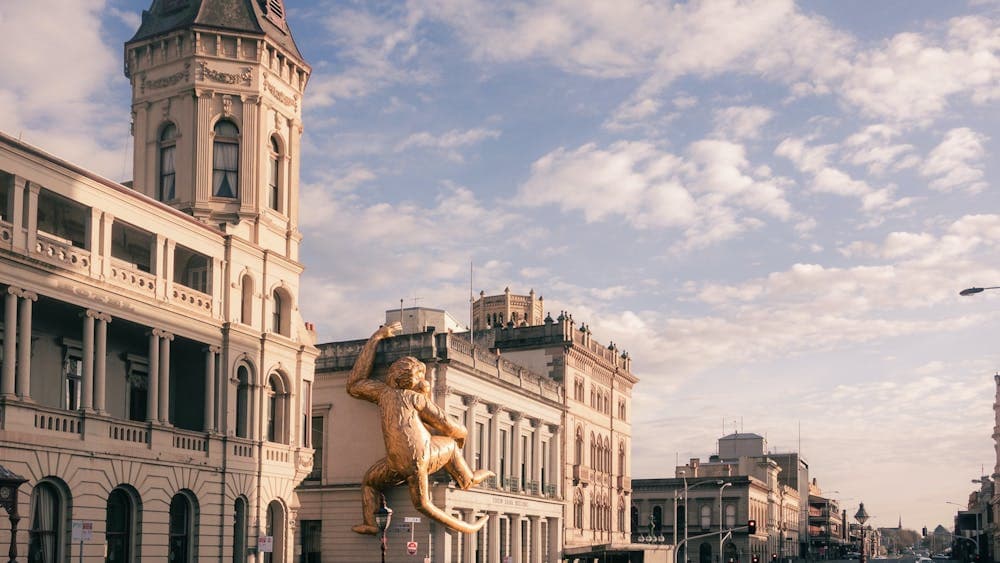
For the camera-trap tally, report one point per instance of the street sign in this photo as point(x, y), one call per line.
point(265, 544)
point(411, 547)
point(83, 530)
point(412, 519)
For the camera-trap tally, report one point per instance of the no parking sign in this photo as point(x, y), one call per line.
point(411, 547)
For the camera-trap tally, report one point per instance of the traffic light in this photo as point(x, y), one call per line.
point(751, 527)
point(755, 559)
point(924, 531)
point(774, 557)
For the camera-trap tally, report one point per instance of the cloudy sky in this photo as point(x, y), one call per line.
point(771, 205)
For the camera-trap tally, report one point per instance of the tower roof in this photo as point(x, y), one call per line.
point(257, 17)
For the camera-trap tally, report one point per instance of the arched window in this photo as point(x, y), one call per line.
point(226, 160)
point(621, 458)
point(281, 312)
point(168, 171)
point(242, 402)
point(594, 459)
point(277, 410)
point(621, 514)
point(183, 529)
point(240, 521)
point(681, 518)
point(635, 519)
point(706, 516)
point(275, 527)
point(246, 309)
point(657, 519)
point(578, 510)
point(578, 450)
point(49, 514)
point(730, 515)
point(274, 176)
point(121, 525)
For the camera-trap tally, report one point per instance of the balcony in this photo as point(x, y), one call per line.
point(531, 487)
point(38, 427)
point(582, 475)
point(549, 491)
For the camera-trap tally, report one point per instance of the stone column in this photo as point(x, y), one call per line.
point(468, 540)
point(535, 547)
point(153, 382)
point(515, 538)
point(555, 453)
point(165, 338)
point(22, 383)
point(9, 341)
point(470, 402)
point(494, 459)
point(210, 353)
point(32, 226)
point(100, 361)
point(87, 393)
point(494, 536)
point(515, 450)
point(18, 234)
point(536, 456)
point(555, 531)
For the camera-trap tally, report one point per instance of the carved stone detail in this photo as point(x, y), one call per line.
point(207, 73)
point(292, 101)
point(165, 81)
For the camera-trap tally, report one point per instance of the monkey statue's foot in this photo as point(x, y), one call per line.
point(364, 529)
point(480, 475)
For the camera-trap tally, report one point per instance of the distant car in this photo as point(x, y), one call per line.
point(924, 560)
point(939, 556)
point(853, 555)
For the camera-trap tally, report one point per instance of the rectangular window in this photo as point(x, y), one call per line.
point(6, 196)
point(72, 373)
point(137, 391)
point(503, 454)
point(132, 245)
point(63, 218)
point(312, 533)
point(480, 439)
point(306, 413)
point(317, 440)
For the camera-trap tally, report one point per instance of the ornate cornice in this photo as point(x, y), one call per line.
point(282, 97)
point(163, 82)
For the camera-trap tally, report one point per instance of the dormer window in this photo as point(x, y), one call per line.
point(226, 160)
point(275, 10)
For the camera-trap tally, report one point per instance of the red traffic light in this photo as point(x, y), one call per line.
point(751, 526)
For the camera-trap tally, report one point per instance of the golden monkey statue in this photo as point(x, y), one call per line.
point(409, 416)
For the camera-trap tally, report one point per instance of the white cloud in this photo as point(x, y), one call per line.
point(58, 78)
point(709, 194)
point(448, 142)
point(956, 162)
point(741, 122)
point(872, 147)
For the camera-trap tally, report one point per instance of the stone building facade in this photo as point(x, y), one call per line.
point(156, 373)
point(596, 470)
point(514, 418)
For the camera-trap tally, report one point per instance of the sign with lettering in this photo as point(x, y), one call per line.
point(265, 544)
point(83, 530)
point(411, 547)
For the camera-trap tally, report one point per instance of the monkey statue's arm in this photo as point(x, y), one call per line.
point(436, 419)
point(358, 384)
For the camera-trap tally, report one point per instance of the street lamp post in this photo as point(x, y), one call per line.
point(862, 516)
point(383, 515)
point(722, 521)
point(686, 487)
point(975, 538)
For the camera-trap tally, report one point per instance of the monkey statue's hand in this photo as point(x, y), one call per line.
point(391, 329)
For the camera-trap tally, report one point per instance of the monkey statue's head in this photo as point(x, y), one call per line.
point(408, 373)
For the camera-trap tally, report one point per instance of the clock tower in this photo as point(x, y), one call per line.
point(217, 115)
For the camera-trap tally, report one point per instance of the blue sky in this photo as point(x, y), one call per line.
point(771, 205)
